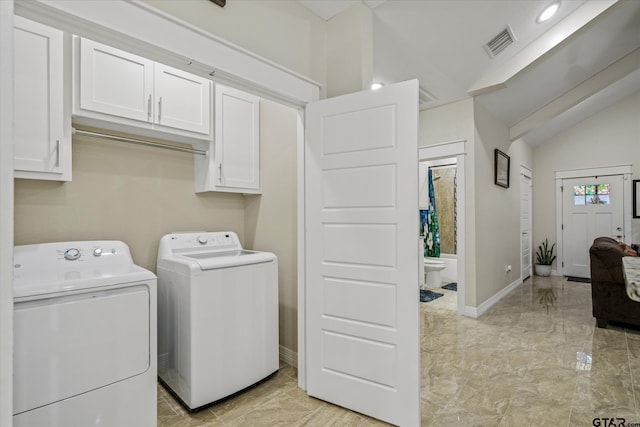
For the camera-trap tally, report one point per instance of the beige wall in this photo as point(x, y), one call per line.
point(492, 213)
point(450, 122)
point(137, 194)
point(447, 123)
point(609, 138)
point(497, 209)
point(122, 192)
point(284, 32)
point(350, 51)
point(270, 219)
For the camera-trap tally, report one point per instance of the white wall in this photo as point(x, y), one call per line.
point(609, 138)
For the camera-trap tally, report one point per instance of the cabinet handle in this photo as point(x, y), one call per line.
point(149, 108)
point(159, 109)
point(57, 153)
point(220, 172)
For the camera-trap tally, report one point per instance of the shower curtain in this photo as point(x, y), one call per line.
point(432, 232)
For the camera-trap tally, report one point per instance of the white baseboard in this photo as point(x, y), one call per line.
point(476, 312)
point(288, 356)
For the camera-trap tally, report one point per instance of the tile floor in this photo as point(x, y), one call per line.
point(535, 359)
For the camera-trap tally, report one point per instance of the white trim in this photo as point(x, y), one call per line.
point(476, 312)
point(454, 149)
point(289, 356)
point(624, 170)
point(301, 238)
point(599, 171)
point(442, 149)
point(144, 30)
point(6, 212)
point(526, 171)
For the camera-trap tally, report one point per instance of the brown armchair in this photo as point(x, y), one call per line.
point(608, 291)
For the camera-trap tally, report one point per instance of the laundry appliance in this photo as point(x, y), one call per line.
point(84, 336)
point(217, 316)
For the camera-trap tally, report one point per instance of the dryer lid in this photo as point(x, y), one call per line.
point(52, 268)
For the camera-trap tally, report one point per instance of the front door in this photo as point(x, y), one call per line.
point(362, 299)
point(592, 207)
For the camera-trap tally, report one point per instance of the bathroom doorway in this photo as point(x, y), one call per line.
point(446, 164)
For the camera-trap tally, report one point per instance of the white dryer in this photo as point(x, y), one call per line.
point(217, 316)
point(84, 336)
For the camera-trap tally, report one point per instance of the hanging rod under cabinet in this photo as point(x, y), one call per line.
point(138, 141)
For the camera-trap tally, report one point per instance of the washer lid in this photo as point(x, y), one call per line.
point(212, 260)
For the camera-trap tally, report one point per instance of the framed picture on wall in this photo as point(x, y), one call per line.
point(636, 198)
point(501, 168)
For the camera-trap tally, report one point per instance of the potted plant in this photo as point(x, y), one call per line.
point(544, 258)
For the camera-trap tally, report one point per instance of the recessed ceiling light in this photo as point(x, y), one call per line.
point(549, 11)
point(376, 86)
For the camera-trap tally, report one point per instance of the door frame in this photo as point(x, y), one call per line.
point(454, 149)
point(624, 170)
point(526, 171)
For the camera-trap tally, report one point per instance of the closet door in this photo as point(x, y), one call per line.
point(362, 255)
point(115, 82)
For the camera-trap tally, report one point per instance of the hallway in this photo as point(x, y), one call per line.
point(536, 358)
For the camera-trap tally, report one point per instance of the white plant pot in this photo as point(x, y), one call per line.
point(543, 270)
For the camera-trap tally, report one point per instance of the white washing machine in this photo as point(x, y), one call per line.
point(84, 336)
point(217, 316)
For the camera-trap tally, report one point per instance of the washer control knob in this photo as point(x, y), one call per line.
point(97, 251)
point(202, 240)
point(71, 254)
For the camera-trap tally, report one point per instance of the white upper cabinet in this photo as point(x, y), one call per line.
point(115, 82)
point(119, 89)
point(183, 101)
point(42, 129)
point(233, 165)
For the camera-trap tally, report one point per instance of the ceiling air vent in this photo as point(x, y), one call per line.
point(499, 42)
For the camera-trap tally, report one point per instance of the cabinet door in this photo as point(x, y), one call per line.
point(115, 82)
point(237, 129)
point(41, 145)
point(183, 100)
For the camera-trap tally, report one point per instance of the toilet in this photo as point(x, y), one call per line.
point(432, 269)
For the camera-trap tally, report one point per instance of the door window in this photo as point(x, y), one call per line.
point(591, 194)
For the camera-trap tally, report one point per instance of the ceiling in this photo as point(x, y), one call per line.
point(554, 74)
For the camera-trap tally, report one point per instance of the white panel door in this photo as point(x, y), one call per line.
point(362, 305)
point(115, 82)
point(584, 219)
point(183, 100)
point(525, 225)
